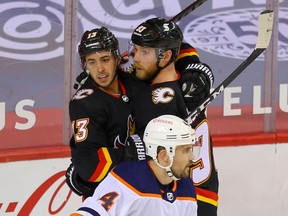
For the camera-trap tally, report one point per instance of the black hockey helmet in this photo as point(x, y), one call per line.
point(159, 33)
point(96, 40)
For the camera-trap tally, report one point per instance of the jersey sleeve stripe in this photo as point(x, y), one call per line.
point(207, 196)
point(187, 54)
point(104, 164)
point(85, 210)
point(89, 210)
point(188, 50)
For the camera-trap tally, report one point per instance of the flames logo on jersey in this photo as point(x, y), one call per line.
point(131, 126)
point(127, 63)
point(130, 131)
point(118, 143)
point(162, 95)
point(83, 93)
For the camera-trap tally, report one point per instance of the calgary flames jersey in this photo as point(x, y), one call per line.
point(167, 98)
point(155, 100)
point(204, 172)
point(101, 125)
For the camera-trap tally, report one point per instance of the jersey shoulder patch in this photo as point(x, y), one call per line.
point(82, 93)
point(162, 95)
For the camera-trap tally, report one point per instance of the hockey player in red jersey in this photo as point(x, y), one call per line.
point(156, 47)
point(159, 185)
point(100, 112)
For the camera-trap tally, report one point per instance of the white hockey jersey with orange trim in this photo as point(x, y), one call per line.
point(131, 188)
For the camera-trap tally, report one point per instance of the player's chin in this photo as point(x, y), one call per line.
point(104, 83)
point(140, 74)
point(186, 172)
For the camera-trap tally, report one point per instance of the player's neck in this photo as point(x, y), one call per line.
point(167, 74)
point(160, 173)
point(113, 88)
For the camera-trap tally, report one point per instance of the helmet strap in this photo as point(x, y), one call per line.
point(170, 174)
point(160, 55)
point(167, 168)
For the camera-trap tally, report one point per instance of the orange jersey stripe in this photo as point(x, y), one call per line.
point(147, 194)
point(132, 188)
point(103, 166)
point(187, 52)
point(186, 198)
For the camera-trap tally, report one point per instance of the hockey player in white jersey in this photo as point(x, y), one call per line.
point(159, 185)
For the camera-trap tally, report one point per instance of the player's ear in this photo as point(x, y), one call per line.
point(167, 55)
point(163, 157)
point(118, 61)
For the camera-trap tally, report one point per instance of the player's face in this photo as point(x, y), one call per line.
point(102, 67)
point(182, 161)
point(145, 62)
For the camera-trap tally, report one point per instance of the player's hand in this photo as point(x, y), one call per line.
point(134, 149)
point(196, 82)
point(76, 184)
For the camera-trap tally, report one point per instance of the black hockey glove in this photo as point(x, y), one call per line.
point(196, 82)
point(76, 184)
point(134, 149)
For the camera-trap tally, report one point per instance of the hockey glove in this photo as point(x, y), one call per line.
point(76, 184)
point(134, 149)
point(196, 82)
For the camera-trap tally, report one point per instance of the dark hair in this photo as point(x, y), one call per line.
point(96, 40)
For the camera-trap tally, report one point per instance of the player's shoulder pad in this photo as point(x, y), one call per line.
point(187, 50)
point(187, 55)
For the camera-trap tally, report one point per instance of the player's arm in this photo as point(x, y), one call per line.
point(92, 156)
point(108, 197)
point(90, 207)
point(89, 167)
point(187, 55)
point(200, 76)
point(196, 77)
